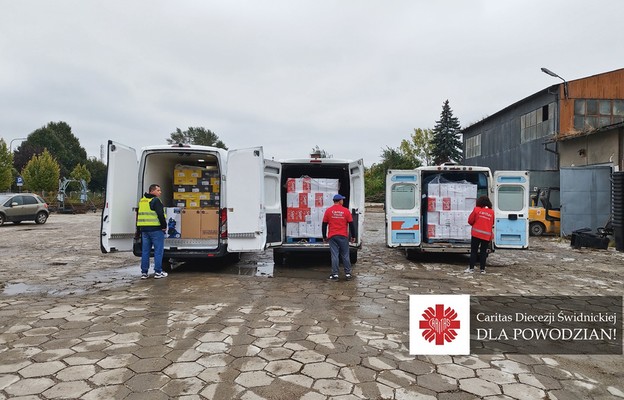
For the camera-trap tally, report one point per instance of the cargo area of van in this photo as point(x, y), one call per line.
point(306, 191)
point(191, 193)
point(447, 201)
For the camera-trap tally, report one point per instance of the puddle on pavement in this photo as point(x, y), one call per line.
point(90, 282)
point(13, 289)
point(94, 281)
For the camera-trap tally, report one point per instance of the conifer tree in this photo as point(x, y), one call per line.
point(446, 144)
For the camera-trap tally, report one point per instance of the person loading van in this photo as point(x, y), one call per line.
point(152, 223)
point(482, 220)
point(336, 220)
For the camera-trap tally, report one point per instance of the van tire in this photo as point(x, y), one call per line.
point(166, 265)
point(353, 257)
point(235, 257)
point(278, 257)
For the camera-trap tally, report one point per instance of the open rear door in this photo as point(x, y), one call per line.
point(118, 224)
point(272, 202)
point(246, 210)
point(403, 220)
point(511, 206)
point(356, 197)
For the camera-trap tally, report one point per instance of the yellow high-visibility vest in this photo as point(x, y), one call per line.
point(147, 216)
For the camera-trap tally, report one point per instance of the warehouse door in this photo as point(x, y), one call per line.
point(585, 197)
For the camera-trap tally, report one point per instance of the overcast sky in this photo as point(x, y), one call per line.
point(351, 76)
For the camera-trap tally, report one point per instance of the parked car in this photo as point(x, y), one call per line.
point(23, 207)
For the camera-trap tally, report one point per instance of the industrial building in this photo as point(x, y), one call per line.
point(569, 135)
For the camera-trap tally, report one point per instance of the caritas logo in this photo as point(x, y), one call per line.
point(439, 324)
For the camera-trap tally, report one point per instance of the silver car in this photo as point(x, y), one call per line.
point(23, 207)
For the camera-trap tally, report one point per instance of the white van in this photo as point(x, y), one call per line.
point(195, 182)
point(217, 202)
point(427, 208)
point(326, 177)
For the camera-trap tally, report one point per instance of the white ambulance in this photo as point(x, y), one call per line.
point(217, 202)
point(427, 208)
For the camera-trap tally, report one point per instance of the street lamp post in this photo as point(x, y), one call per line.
point(565, 83)
point(11, 144)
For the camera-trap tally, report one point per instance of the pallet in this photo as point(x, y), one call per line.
point(292, 239)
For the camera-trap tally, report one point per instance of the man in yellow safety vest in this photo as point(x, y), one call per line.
point(152, 223)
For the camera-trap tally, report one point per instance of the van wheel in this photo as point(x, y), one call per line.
point(536, 229)
point(166, 265)
point(278, 258)
point(353, 257)
point(235, 257)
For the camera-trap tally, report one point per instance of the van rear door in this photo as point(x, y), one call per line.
point(118, 223)
point(511, 207)
point(246, 212)
point(356, 196)
point(403, 219)
point(273, 202)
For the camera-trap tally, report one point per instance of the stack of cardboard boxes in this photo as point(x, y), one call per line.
point(196, 200)
point(306, 202)
point(448, 207)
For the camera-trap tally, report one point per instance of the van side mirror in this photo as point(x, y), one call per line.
point(13, 204)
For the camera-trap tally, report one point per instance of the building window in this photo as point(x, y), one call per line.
point(537, 123)
point(473, 146)
point(591, 114)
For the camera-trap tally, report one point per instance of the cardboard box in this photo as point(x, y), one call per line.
point(191, 223)
point(433, 189)
point(431, 230)
point(292, 229)
point(297, 214)
point(209, 223)
point(433, 217)
point(298, 185)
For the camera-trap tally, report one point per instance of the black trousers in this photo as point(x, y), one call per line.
point(478, 246)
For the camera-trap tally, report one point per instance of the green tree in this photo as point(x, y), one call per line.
point(58, 139)
point(6, 167)
point(97, 171)
point(42, 173)
point(375, 176)
point(418, 146)
point(81, 172)
point(446, 145)
point(196, 135)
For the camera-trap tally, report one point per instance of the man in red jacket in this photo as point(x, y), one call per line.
point(337, 223)
point(482, 220)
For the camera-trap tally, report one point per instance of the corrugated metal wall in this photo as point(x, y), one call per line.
point(501, 147)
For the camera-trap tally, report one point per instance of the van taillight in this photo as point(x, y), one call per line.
point(223, 227)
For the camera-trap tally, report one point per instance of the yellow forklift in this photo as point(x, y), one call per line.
point(545, 212)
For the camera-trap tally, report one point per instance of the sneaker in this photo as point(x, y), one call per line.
point(469, 270)
point(144, 276)
point(483, 271)
point(159, 275)
point(333, 277)
point(348, 277)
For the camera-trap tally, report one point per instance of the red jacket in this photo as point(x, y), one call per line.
point(482, 221)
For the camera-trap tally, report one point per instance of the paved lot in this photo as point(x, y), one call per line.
point(77, 324)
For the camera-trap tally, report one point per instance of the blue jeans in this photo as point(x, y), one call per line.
point(339, 248)
point(149, 239)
